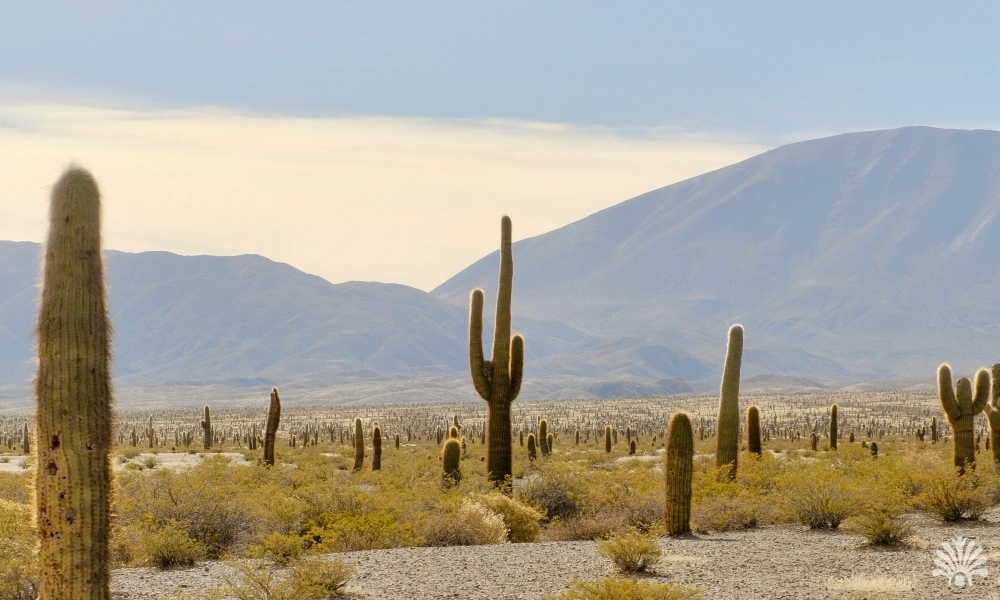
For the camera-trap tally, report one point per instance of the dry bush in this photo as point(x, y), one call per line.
point(730, 512)
point(522, 521)
point(955, 497)
point(471, 524)
point(880, 528)
point(15, 488)
point(18, 567)
point(278, 547)
point(555, 493)
point(821, 497)
point(614, 588)
point(631, 553)
point(598, 526)
point(168, 546)
point(308, 579)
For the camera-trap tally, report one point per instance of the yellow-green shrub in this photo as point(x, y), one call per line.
point(614, 588)
point(522, 521)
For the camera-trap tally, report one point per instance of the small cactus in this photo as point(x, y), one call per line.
point(451, 460)
point(813, 441)
point(679, 471)
point(727, 444)
point(833, 427)
point(607, 438)
point(359, 445)
point(532, 452)
point(397, 441)
point(753, 430)
point(550, 441)
point(26, 442)
point(631, 447)
point(543, 436)
point(875, 449)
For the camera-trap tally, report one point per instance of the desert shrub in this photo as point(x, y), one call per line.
point(320, 578)
point(555, 494)
point(308, 579)
point(128, 453)
point(18, 568)
point(631, 553)
point(880, 528)
point(955, 497)
point(821, 498)
point(614, 588)
point(521, 519)
point(150, 461)
point(169, 546)
point(358, 530)
point(597, 526)
point(741, 510)
point(278, 547)
point(14, 488)
point(470, 524)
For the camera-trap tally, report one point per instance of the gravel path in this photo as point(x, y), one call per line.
point(774, 563)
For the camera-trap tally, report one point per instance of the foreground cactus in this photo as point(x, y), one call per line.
point(206, 425)
point(961, 406)
point(497, 381)
point(727, 444)
point(451, 459)
point(73, 392)
point(679, 471)
point(271, 429)
point(532, 452)
point(993, 414)
point(543, 437)
point(377, 448)
point(753, 430)
point(833, 427)
point(359, 445)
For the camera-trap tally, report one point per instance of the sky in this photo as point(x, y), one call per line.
point(384, 140)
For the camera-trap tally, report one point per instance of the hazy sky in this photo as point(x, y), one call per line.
point(382, 140)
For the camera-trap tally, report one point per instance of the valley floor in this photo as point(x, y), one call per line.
point(772, 563)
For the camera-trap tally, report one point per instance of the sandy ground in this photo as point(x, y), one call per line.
point(774, 563)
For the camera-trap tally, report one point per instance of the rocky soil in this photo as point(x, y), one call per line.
point(774, 563)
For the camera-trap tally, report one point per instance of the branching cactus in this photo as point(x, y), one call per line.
point(73, 392)
point(206, 425)
point(961, 405)
point(451, 460)
point(271, 429)
point(753, 430)
point(993, 414)
point(359, 445)
point(833, 427)
point(727, 444)
point(498, 380)
point(679, 471)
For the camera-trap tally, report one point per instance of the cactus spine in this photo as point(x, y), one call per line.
point(753, 430)
point(206, 425)
point(377, 448)
point(679, 471)
point(833, 427)
point(359, 445)
point(73, 392)
point(727, 444)
point(451, 459)
point(498, 381)
point(961, 406)
point(993, 414)
point(271, 429)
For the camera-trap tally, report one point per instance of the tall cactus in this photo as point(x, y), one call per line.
point(26, 441)
point(993, 414)
point(607, 438)
point(961, 406)
point(497, 381)
point(359, 445)
point(271, 429)
point(206, 425)
point(753, 430)
point(727, 444)
point(543, 436)
point(73, 392)
point(833, 427)
point(377, 448)
point(679, 472)
point(532, 452)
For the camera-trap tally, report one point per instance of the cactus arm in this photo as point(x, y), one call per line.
point(480, 376)
point(946, 391)
point(982, 395)
point(516, 365)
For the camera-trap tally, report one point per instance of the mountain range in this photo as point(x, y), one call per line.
point(864, 256)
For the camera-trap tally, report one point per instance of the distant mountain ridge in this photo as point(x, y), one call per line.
point(859, 257)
